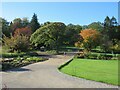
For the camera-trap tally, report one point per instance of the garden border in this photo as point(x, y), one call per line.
point(66, 63)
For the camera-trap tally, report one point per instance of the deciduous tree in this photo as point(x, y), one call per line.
point(26, 31)
point(49, 35)
point(72, 34)
point(90, 39)
point(17, 43)
point(96, 25)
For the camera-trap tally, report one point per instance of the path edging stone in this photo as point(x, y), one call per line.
point(66, 63)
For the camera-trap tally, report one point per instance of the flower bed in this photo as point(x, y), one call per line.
point(19, 62)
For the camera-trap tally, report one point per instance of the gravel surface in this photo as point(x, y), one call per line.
point(46, 75)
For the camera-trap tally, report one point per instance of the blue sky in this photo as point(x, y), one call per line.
point(82, 13)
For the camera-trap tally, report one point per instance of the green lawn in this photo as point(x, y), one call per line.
point(98, 70)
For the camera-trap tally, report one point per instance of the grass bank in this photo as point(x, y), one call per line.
point(98, 70)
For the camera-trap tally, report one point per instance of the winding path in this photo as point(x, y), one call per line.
point(46, 75)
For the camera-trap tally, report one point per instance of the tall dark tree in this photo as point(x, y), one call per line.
point(107, 22)
point(110, 31)
point(72, 34)
point(5, 27)
point(113, 29)
point(105, 36)
point(0, 29)
point(110, 27)
point(34, 24)
point(113, 21)
point(118, 32)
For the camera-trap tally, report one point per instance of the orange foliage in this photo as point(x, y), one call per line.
point(89, 34)
point(90, 39)
point(23, 31)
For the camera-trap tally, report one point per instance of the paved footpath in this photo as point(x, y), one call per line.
point(46, 75)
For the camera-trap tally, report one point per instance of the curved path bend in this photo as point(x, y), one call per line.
point(46, 75)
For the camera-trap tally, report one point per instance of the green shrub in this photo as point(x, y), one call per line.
point(17, 43)
point(21, 54)
point(118, 57)
point(25, 57)
point(80, 56)
point(11, 55)
point(101, 57)
point(92, 56)
point(18, 58)
point(34, 59)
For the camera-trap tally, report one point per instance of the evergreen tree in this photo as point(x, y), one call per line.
point(110, 33)
point(4, 30)
point(107, 22)
point(113, 21)
point(34, 24)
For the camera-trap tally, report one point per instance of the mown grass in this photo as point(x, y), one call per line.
point(98, 70)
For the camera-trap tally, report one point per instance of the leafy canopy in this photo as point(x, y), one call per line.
point(90, 39)
point(50, 35)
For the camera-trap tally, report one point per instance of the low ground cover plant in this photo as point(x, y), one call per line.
point(20, 61)
point(21, 54)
